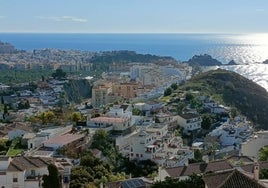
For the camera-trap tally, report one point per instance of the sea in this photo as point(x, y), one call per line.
point(247, 50)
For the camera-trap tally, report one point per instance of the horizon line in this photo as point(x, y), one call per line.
point(219, 33)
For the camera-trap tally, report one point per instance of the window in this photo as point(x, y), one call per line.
point(15, 177)
point(32, 172)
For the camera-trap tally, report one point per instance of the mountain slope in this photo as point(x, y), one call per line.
point(237, 91)
point(203, 60)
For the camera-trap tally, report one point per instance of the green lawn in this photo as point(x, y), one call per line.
point(165, 98)
point(13, 152)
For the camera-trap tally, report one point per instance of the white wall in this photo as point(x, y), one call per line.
point(15, 133)
point(38, 171)
point(19, 184)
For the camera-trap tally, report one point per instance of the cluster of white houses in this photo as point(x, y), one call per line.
point(148, 139)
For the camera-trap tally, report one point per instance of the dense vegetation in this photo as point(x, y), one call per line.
point(233, 90)
point(127, 57)
point(101, 61)
point(12, 77)
point(111, 167)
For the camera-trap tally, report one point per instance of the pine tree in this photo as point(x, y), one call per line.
point(52, 180)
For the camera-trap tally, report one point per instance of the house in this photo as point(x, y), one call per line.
point(149, 106)
point(100, 94)
point(232, 178)
point(22, 172)
point(64, 167)
point(189, 122)
point(214, 107)
point(183, 172)
point(157, 144)
point(17, 129)
point(75, 141)
point(122, 111)
point(35, 140)
point(119, 124)
point(27, 172)
point(142, 146)
point(127, 89)
point(4, 87)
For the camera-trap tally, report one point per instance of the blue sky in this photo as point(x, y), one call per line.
point(134, 16)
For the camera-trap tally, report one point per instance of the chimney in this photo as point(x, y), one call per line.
point(205, 158)
point(256, 171)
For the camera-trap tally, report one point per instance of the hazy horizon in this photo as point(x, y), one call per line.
point(139, 16)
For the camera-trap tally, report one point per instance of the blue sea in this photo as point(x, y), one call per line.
point(245, 49)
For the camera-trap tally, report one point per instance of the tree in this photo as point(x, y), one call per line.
point(264, 174)
point(234, 112)
point(181, 107)
point(23, 104)
point(80, 177)
point(46, 117)
point(140, 168)
point(3, 146)
point(197, 155)
point(263, 153)
point(5, 109)
point(59, 74)
point(174, 86)
point(206, 121)
point(76, 117)
point(168, 91)
point(53, 178)
point(189, 96)
point(102, 142)
point(136, 112)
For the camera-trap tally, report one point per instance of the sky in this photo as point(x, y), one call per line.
point(134, 16)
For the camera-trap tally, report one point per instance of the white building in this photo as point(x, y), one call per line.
point(22, 172)
point(110, 123)
point(157, 144)
point(189, 122)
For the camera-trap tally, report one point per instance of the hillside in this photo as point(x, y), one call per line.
point(236, 91)
point(7, 48)
point(125, 56)
point(77, 90)
point(203, 60)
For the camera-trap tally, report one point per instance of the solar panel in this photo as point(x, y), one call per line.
point(133, 183)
